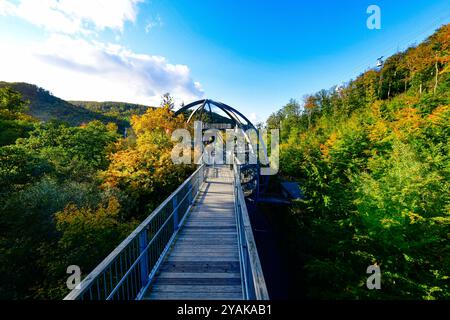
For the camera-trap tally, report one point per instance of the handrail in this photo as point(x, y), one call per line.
point(128, 270)
point(254, 284)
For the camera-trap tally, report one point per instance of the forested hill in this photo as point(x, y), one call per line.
point(45, 106)
point(121, 110)
point(373, 159)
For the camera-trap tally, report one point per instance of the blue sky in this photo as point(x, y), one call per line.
point(254, 55)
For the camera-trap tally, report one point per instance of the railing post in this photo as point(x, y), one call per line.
point(175, 213)
point(192, 188)
point(144, 259)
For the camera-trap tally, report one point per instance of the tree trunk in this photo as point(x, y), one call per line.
point(436, 76)
point(389, 89)
point(380, 85)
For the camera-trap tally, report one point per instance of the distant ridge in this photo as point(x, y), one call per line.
point(113, 108)
point(45, 106)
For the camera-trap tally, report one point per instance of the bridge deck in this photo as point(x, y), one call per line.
point(204, 260)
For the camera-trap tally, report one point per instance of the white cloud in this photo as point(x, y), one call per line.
point(157, 22)
point(73, 16)
point(73, 64)
point(6, 8)
point(75, 68)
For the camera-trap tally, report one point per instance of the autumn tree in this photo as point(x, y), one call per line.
point(143, 169)
point(440, 43)
point(309, 105)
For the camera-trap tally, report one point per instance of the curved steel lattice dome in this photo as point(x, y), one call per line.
point(204, 110)
point(219, 115)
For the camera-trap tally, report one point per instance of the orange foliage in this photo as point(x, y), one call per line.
point(325, 148)
point(440, 116)
point(408, 120)
point(157, 119)
point(443, 43)
point(146, 163)
point(378, 131)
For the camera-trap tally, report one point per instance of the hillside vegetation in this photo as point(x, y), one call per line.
point(373, 159)
point(119, 110)
point(44, 106)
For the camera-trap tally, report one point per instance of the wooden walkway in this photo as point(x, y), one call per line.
point(204, 260)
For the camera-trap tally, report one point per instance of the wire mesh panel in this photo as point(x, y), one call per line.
point(126, 272)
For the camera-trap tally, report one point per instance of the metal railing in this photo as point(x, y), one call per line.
point(126, 273)
point(254, 284)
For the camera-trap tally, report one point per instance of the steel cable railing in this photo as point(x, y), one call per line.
point(127, 271)
point(254, 284)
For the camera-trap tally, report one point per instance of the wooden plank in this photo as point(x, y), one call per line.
point(203, 251)
point(212, 221)
point(211, 289)
point(196, 281)
point(206, 253)
point(232, 237)
point(207, 275)
point(205, 258)
point(185, 250)
point(194, 296)
point(206, 233)
point(209, 228)
point(201, 266)
point(206, 242)
point(199, 247)
point(209, 224)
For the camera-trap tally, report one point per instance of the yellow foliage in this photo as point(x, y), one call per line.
point(375, 109)
point(414, 217)
point(408, 121)
point(378, 131)
point(147, 163)
point(157, 119)
point(71, 215)
point(325, 148)
point(410, 100)
point(111, 126)
point(440, 115)
point(389, 222)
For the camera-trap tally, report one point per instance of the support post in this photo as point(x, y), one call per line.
point(191, 189)
point(144, 260)
point(175, 213)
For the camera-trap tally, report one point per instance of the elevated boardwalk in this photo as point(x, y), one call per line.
point(198, 244)
point(203, 262)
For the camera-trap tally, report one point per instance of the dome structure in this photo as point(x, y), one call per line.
point(220, 116)
point(207, 107)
